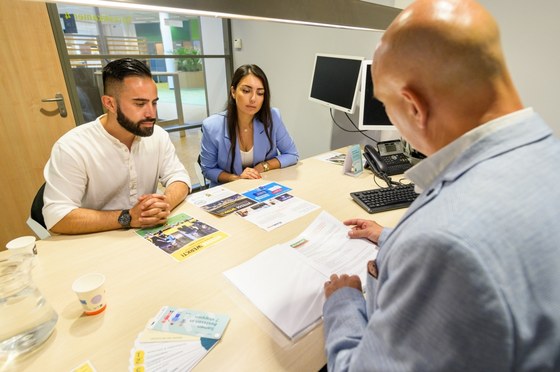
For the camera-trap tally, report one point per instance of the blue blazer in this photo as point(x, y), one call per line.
point(215, 147)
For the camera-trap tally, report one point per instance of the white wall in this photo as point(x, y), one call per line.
point(530, 33)
point(403, 3)
point(381, 2)
point(286, 53)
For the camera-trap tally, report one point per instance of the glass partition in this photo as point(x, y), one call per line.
point(172, 45)
point(189, 56)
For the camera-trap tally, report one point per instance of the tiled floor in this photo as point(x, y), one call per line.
point(194, 110)
point(193, 104)
point(188, 148)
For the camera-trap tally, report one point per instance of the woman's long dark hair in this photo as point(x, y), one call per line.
point(264, 114)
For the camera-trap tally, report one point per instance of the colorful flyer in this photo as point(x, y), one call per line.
point(182, 236)
point(219, 201)
point(190, 322)
point(266, 192)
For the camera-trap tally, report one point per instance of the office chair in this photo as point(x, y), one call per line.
point(36, 221)
point(202, 181)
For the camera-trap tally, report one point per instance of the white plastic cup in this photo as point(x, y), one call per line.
point(23, 244)
point(90, 289)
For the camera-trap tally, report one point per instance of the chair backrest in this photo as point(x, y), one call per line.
point(37, 207)
point(202, 181)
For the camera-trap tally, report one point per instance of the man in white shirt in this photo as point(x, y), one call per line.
point(103, 175)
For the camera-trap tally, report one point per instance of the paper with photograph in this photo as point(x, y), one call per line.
point(182, 236)
point(219, 201)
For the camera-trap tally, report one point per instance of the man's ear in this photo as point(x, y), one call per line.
point(109, 103)
point(416, 107)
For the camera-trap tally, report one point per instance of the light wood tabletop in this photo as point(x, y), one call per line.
point(140, 279)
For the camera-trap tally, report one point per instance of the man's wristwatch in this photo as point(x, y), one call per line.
point(265, 166)
point(125, 218)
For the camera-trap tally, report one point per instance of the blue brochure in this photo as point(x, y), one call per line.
point(266, 192)
point(190, 322)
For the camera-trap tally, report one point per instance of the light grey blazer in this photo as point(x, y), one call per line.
point(469, 280)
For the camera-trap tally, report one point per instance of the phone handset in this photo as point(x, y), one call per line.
point(374, 160)
point(377, 165)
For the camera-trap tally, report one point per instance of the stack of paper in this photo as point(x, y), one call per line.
point(176, 340)
point(291, 276)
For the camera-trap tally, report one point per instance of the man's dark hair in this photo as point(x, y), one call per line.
point(117, 70)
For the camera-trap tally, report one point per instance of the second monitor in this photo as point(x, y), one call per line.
point(372, 115)
point(334, 81)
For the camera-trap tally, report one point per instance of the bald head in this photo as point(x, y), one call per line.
point(451, 40)
point(447, 54)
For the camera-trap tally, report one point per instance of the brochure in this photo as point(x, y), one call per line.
point(353, 164)
point(268, 191)
point(172, 341)
point(190, 322)
point(219, 201)
point(182, 236)
point(277, 211)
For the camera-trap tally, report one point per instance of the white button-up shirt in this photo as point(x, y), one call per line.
point(91, 169)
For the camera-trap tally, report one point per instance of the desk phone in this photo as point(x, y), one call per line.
point(389, 157)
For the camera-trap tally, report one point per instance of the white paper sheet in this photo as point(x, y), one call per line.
point(285, 282)
point(276, 212)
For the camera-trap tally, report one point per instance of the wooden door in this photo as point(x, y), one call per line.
point(30, 71)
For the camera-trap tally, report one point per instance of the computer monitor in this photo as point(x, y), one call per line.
point(335, 81)
point(372, 115)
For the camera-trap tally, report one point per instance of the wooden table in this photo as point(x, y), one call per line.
point(141, 279)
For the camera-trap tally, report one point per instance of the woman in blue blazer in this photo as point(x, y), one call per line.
point(249, 137)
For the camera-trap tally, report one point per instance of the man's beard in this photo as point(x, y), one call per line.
point(135, 128)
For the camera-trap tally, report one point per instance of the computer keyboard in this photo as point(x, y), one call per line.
point(385, 199)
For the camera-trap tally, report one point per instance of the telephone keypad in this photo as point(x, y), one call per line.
point(397, 163)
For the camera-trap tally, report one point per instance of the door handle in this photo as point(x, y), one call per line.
point(59, 99)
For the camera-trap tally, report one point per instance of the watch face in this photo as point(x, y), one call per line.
point(124, 218)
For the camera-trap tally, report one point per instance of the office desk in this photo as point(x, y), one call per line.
point(141, 279)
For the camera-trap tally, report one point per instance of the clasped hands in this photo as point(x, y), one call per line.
point(360, 229)
point(250, 173)
point(151, 210)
